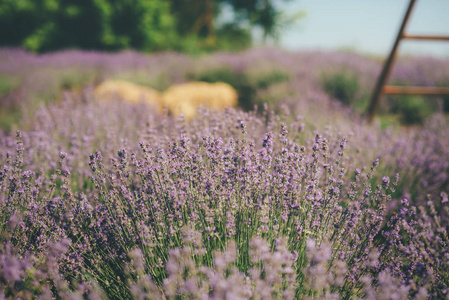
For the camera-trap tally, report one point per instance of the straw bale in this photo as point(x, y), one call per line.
point(127, 91)
point(184, 98)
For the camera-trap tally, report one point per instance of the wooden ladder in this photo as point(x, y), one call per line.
point(381, 88)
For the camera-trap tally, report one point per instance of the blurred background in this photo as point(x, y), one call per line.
point(196, 26)
point(145, 25)
point(302, 54)
point(368, 27)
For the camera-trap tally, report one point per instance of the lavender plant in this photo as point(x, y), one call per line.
point(231, 206)
point(116, 201)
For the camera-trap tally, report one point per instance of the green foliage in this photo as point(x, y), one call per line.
point(412, 109)
point(262, 14)
point(264, 79)
point(342, 85)
point(231, 37)
point(388, 121)
point(148, 25)
point(247, 83)
point(46, 25)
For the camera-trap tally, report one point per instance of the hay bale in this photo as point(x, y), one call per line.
point(127, 91)
point(184, 98)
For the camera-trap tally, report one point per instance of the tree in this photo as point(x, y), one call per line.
point(196, 17)
point(46, 25)
point(260, 13)
point(148, 25)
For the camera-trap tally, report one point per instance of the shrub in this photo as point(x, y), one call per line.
point(231, 203)
point(342, 85)
point(411, 109)
point(49, 25)
point(231, 37)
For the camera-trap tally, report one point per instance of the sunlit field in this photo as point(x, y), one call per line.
point(283, 192)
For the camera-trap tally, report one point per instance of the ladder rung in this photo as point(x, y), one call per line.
point(415, 90)
point(426, 37)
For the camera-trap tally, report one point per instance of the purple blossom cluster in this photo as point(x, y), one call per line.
point(115, 201)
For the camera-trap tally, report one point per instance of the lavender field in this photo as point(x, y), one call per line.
point(291, 195)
